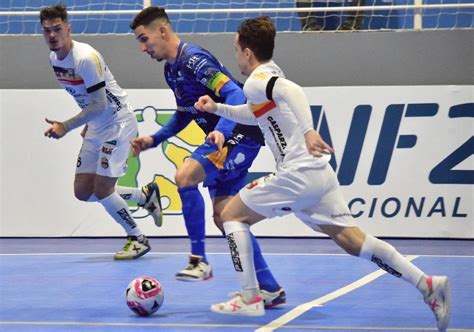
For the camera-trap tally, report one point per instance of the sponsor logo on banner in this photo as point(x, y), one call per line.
point(442, 172)
point(404, 156)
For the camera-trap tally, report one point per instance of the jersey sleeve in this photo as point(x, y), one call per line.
point(208, 72)
point(255, 88)
point(92, 70)
point(265, 91)
point(238, 113)
point(286, 91)
point(178, 122)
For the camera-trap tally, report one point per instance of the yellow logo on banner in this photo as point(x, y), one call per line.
point(174, 155)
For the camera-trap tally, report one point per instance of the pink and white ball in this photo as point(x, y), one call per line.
point(144, 295)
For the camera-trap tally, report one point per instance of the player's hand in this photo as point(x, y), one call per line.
point(140, 144)
point(84, 131)
point(217, 138)
point(206, 104)
point(56, 130)
point(315, 144)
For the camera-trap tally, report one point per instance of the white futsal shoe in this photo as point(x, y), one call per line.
point(197, 270)
point(238, 307)
point(153, 202)
point(270, 299)
point(133, 249)
point(439, 300)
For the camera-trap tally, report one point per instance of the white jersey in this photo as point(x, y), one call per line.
point(279, 124)
point(83, 71)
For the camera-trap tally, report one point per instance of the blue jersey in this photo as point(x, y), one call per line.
point(195, 73)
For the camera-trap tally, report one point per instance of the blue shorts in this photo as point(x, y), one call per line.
point(226, 170)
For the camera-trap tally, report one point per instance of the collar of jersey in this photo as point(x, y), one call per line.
point(181, 47)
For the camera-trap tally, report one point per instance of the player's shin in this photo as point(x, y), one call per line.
point(390, 260)
point(241, 250)
point(118, 209)
point(130, 194)
point(265, 278)
point(194, 219)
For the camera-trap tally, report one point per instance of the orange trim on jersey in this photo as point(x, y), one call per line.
point(260, 109)
point(218, 158)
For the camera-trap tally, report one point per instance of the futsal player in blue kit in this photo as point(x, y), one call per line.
point(222, 162)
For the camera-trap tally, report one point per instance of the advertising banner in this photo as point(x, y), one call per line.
point(403, 156)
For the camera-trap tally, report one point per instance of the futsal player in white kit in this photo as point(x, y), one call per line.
point(304, 182)
point(111, 125)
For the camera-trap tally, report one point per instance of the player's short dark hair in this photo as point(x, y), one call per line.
point(258, 35)
point(54, 12)
point(149, 15)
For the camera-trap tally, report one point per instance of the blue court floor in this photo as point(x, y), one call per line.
point(74, 284)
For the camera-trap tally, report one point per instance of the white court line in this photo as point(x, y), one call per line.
point(129, 324)
point(209, 253)
point(302, 308)
point(234, 326)
point(159, 253)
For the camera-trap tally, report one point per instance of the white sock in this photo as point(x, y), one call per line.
point(130, 194)
point(118, 209)
point(390, 260)
point(241, 250)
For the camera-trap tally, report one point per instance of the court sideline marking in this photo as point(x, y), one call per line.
point(210, 253)
point(302, 308)
point(233, 326)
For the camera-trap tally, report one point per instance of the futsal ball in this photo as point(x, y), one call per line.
point(144, 295)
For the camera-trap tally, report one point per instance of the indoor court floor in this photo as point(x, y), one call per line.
point(73, 284)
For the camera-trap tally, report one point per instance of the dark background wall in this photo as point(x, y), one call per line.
point(311, 59)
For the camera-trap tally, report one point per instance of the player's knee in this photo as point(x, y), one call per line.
point(184, 178)
point(82, 194)
point(218, 222)
point(102, 192)
point(226, 215)
point(83, 187)
point(350, 239)
point(103, 187)
point(352, 250)
point(350, 247)
point(190, 173)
